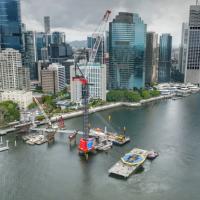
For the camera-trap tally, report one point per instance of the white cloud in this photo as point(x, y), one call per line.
point(78, 18)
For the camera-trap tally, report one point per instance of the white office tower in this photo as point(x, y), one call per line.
point(10, 61)
point(184, 48)
point(75, 87)
point(96, 76)
point(193, 54)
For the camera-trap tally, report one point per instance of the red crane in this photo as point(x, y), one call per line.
point(86, 144)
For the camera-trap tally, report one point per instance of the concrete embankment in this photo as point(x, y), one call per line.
point(110, 106)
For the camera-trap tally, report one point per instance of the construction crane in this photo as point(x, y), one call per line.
point(43, 112)
point(86, 144)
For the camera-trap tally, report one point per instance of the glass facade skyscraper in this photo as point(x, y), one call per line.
point(127, 45)
point(58, 37)
point(165, 51)
point(10, 24)
point(40, 43)
point(30, 54)
point(100, 53)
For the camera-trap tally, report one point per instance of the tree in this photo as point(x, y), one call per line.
point(154, 93)
point(145, 94)
point(133, 96)
point(48, 100)
point(115, 95)
point(32, 106)
point(9, 111)
point(38, 89)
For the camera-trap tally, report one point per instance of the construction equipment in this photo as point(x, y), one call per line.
point(43, 112)
point(61, 122)
point(51, 134)
point(86, 144)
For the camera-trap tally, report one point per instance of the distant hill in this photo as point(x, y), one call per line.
point(78, 44)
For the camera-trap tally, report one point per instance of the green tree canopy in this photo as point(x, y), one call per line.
point(115, 95)
point(10, 111)
point(130, 95)
point(145, 94)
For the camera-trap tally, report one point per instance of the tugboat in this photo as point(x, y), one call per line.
point(152, 155)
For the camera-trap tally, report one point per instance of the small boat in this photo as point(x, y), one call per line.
point(133, 159)
point(152, 155)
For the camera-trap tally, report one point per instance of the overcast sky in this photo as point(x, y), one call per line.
point(78, 18)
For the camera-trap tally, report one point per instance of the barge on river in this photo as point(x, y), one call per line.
point(129, 163)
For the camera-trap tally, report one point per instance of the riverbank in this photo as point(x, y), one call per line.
point(110, 106)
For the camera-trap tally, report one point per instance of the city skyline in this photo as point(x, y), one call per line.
point(152, 12)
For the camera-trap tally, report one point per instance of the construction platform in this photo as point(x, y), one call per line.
point(6, 131)
point(123, 170)
point(4, 148)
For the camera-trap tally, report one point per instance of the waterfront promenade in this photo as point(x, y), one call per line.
point(110, 106)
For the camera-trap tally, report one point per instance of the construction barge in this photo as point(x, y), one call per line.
point(5, 148)
point(126, 167)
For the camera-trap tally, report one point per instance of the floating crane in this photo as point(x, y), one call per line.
point(86, 144)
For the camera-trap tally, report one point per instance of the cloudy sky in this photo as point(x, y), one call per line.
point(78, 18)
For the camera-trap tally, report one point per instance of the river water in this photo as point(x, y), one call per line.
point(57, 173)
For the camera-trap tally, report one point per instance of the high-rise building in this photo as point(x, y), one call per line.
point(10, 61)
point(127, 46)
point(23, 27)
point(24, 78)
point(67, 63)
point(151, 71)
point(44, 54)
point(96, 76)
point(58, 37)
point(106, 42)
point(175, 58)
point(10, 24)
point(40, 39)
point(60, 52)
point(53, 78)
point(165, 51)
point(40, 66)
point(184, 48)
point(47, 26)
point(106, 62)
point(30, 53)
point(193, 59)
point(100, 53)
